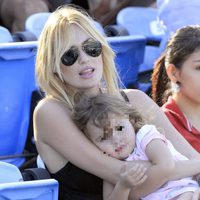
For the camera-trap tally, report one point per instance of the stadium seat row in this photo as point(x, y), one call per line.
point(13, 186)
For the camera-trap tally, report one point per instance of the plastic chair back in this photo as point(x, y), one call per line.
point(40, 162)
point(36, 22)
point(129, 55)
point(5, 35)
point(13, 187)
point(31, 190)
point(176, 14)
point(141, 21)
point(17, 82)
point(9, 173)
point(99, 27)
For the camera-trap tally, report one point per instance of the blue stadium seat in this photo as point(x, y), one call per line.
point(40, 162)
point(12, 186)
point(176, 14)
point(9, 173)
point(99, 27)
point(129, 56)
point(5, 35)
point(141, 21)
point(17, 83)
point(32, 190)
point(36, 22)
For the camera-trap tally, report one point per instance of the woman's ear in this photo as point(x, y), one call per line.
point(172, 73)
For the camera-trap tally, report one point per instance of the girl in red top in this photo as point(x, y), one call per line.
point(176, 83)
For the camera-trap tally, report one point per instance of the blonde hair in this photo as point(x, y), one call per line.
point(55, 40)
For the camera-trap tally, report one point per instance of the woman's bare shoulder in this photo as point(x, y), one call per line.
point(135, 95)
point(133, 91)
point(49, 106)
point(49, 115)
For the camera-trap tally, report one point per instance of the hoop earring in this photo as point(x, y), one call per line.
point(175, 87)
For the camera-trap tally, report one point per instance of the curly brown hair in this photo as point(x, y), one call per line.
point(97, 109)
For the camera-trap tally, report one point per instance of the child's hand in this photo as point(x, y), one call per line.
point(133, 176)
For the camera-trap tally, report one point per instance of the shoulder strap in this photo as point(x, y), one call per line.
point(124, 96)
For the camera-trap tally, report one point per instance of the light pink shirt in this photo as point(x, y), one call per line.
point(172, 188)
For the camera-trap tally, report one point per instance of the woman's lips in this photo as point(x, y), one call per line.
point(87, 72)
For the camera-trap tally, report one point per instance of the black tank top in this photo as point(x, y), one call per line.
point(77, 184)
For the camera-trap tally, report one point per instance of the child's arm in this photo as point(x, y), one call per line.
point(129, 178)
point(161, 158)
point(162, 167)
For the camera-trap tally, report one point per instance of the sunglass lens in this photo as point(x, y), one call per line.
point(70, 56)
point(92, 48)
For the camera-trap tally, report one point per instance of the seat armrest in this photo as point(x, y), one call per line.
point(35, 174)
point(115, 30)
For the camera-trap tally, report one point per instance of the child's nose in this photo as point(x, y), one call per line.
point(116, 138)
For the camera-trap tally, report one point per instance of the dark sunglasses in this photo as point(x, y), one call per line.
point(91, 47)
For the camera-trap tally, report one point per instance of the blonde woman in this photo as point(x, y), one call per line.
point(72, 56)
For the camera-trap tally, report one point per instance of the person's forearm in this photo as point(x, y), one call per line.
point(195, 155)
point(109, 168)
point(185, 169)
point(147, 164)
point(156, 177)
point(120, 192)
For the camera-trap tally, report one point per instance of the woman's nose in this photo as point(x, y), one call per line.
point(83, 57)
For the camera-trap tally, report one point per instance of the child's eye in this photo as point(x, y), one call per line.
point(119, 128)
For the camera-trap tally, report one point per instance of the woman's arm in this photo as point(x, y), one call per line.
point(150, 109)
point(58, 140)
point(185, 168)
